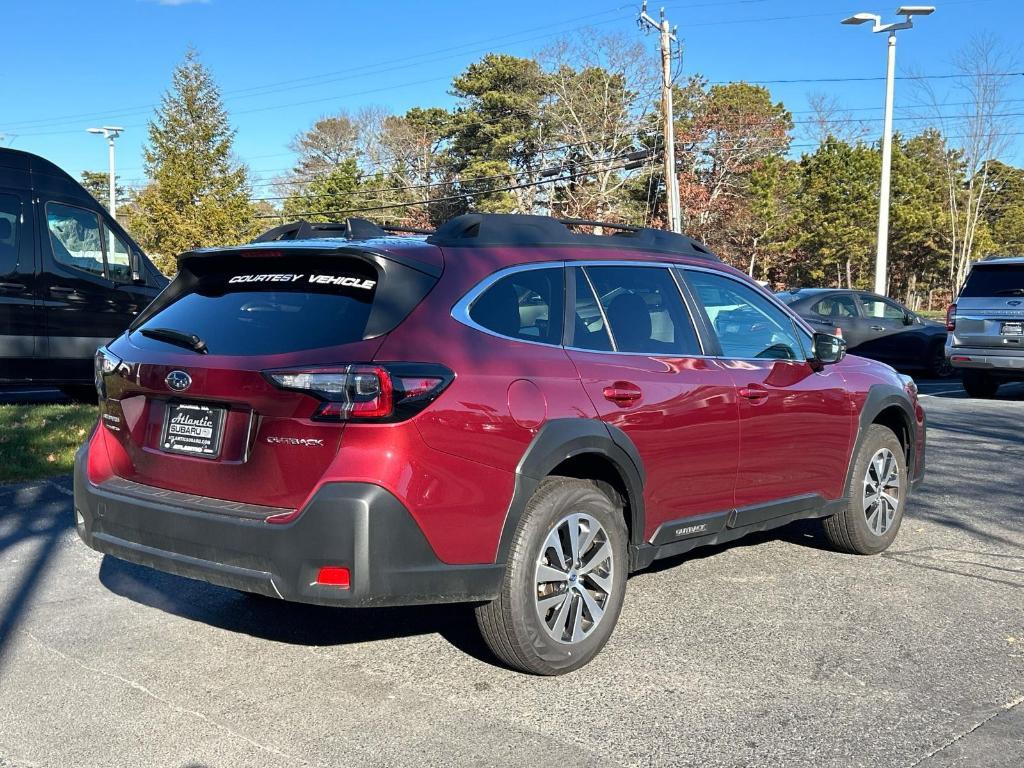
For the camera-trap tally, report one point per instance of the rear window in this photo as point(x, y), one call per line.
point(260, 306)
point(995, 280)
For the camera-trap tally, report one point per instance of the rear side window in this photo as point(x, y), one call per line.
point(835, 307)
point(75, 237)
point(264, 306)
point(644, 310)
point(995, 280)
point(524, 305)
point(10, 221)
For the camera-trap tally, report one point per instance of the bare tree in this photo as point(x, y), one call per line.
point(974, 118)
point(828, 118)
point(602, 88)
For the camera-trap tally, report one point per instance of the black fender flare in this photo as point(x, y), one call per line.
point(880, 397)
point(561, 439)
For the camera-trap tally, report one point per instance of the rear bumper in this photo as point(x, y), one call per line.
point(356, 525)
point(993, 360)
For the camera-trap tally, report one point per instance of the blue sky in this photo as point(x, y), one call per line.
point(70, 65)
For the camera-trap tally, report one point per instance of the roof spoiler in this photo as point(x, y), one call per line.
point(350, 229)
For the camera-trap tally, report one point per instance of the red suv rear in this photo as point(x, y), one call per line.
point(507, 412)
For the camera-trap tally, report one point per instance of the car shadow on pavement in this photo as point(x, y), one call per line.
point(287, 622)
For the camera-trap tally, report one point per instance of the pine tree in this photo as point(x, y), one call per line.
point(198, 194)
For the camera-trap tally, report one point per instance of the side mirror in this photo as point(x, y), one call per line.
point(909, 318)
point(828, 349)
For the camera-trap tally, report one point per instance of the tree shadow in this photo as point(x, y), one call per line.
point(38, 512)
point(289, 622)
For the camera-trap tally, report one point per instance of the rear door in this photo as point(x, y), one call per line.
point(796, 423)
point(20, 315)
point(642, 365)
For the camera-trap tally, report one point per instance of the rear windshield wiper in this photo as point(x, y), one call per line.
point(171, 336)
point(1010, 292)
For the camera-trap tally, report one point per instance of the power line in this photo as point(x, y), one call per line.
point(448, 198)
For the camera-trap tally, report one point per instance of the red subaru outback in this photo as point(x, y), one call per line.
point(508, 412)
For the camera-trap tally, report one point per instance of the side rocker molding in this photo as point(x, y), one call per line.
point(561, 439)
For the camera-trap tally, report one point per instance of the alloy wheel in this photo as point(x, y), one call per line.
point(574, 575)
point(881, 491)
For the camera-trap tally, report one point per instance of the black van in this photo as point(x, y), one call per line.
point(71, 278)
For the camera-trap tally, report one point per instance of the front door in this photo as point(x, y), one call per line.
point(796, 420)
point(20, 317)
point(85, 307)
point(641, 363)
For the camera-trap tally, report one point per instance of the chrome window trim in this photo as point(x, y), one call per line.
point(463, 306)
point(460, 311)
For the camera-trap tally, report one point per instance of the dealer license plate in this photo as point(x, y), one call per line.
point(1013, 329)
point(192, 429)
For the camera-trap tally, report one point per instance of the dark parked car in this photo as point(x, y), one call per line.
point(507, 412)
point(71, 278)
point(875, 326)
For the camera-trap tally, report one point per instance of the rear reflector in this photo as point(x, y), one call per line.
point(333, 576)
point(960, 359)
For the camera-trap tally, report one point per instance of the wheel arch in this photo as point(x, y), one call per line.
point(586, 449)
point(889, 406)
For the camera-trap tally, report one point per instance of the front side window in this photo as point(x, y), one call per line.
point(748, 325)
point(75, 237)
point(524, 305)
point(10, 222)
point(876, 307)
point(836, 307)
point(644, 309)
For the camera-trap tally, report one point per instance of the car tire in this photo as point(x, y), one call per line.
point(980, 384)
point(875, 496)
point(939, 366)
point(559, 602)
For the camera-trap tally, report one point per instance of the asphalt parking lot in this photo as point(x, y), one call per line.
point(773, 651)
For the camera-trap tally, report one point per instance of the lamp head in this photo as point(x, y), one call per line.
point(915, 10)
point(862, 18)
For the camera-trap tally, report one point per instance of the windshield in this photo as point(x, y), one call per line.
point(995, 280)
point(266, 306)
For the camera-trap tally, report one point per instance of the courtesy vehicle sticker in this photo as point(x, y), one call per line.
point(342, 280)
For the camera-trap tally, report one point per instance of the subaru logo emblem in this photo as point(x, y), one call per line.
point(179, 381)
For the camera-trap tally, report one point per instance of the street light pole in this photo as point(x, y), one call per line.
point(110, 133)
point(882, 248)
point(908, 12)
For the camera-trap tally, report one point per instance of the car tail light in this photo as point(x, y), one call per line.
point(375, 393)
point(103, 364)
point(951, 317)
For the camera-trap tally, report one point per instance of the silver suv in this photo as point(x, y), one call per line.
point(986, 326)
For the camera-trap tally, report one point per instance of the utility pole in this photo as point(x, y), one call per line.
point(110, 133)
point(908, 12)
point(668, 37)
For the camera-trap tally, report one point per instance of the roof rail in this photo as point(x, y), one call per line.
point(494, 229)
point(351, 228)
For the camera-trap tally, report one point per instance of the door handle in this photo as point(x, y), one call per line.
point(622, 393)
point(69, 293)
point(753, 392)
point(12, 287)
point(877, 327)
